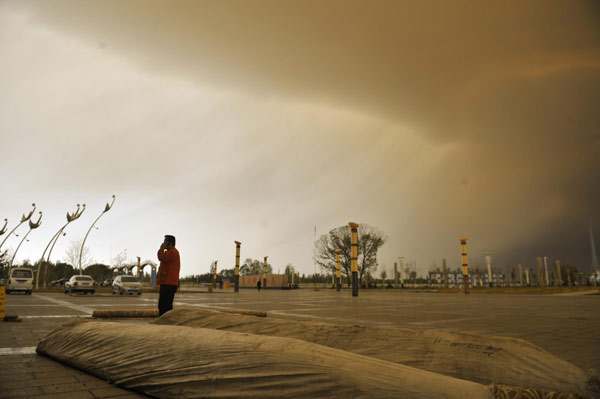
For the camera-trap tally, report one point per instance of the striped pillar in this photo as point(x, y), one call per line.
point(527, 276)
point(265, 273)
point(215, 276)
point(395, 274)
point(540, 273)
point(237, 266)
point(465, 266)
point(338, 270)
point(354, 257)
point(445, 272)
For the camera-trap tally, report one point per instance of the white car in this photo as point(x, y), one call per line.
point(126, 285)
point(80, 283)
point(20, 279)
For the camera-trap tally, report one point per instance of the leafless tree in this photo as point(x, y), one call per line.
point(370, 239)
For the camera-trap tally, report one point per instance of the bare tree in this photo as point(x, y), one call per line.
point(120, 259)
point(72, 255)
point(370, 239)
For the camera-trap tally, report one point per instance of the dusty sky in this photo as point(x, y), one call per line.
point(256, 121)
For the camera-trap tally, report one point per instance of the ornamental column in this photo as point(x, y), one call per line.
point(265, 273)
point(465, 266)
point(338, 271)
point(354, 257)
point(237, 266)
point(215, 276)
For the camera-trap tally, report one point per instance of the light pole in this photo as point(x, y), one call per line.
point(106, 209)
point(23, 220)
point(70, 217)
point(32, 226)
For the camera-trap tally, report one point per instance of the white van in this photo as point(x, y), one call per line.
point(20, 279)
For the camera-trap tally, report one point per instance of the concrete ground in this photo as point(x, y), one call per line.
point(567, 326)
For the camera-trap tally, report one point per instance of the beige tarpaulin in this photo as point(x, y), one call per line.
point(184, 362)
point(480, 358)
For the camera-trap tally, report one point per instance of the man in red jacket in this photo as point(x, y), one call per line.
point(168, 274)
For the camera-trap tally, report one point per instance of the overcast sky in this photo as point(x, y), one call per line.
point(256, 121)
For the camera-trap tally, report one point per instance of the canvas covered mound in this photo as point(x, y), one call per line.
point(184, 362)
point(481, 358)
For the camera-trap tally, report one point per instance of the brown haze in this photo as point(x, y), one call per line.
point(430, 120)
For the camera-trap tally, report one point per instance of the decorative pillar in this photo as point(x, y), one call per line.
point(139, 265)
point(338, 270)
point(265, 273)
point(546, 268)
point(558, 276)
point(215, 275)
point(395, 274)
point(527, 276)
point(465, 266)
point(540, 272)
point(488, 260)
point(354, 257)
point(520, 275)
point(401, 259)
point(445, 269)
point(237, 266)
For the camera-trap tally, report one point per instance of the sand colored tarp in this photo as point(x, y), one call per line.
point(184, 362)
point(481, 358)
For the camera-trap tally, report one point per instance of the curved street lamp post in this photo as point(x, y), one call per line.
point(32, 226)
point(70, 217)
point(23, 220)
point(106, 209)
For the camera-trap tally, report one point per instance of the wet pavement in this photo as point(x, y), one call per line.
point(566, 326)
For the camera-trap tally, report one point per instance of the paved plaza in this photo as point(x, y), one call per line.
point(568, 326)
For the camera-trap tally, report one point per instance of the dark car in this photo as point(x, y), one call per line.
point(59, 282)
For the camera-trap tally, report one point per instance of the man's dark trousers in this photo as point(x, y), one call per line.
point(165, 299)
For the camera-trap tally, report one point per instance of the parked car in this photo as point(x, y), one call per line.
point(60, 281)
point(126, 285)
point(20, 279)
point(79, 283)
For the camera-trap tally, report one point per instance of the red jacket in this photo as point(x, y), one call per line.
point(168, 271)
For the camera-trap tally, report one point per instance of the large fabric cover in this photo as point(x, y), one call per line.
point(183, 362)
point(480, 358)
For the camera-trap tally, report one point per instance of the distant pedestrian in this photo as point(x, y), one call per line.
point(258, 285)
point(221, 284)
point(168, 274)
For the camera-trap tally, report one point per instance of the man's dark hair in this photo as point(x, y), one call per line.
point(170, 240)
